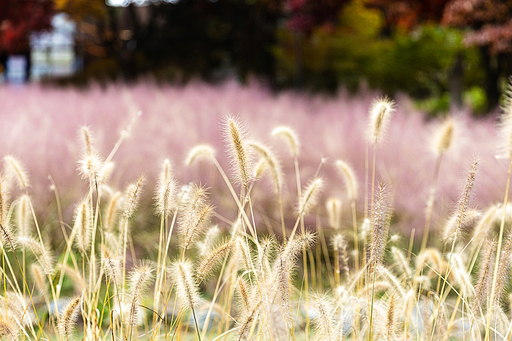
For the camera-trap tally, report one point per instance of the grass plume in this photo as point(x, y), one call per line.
point(83, 225)
point(381, 220)
point(140, 278)
point(132, 196)
point(381, 111)
point(68, 317)
point(15, 170)
point(349, 178)
point(240, 156)
point(186, 286)
point(212, 259)
point(291, 138)
point(310, 196)
point(202, 151)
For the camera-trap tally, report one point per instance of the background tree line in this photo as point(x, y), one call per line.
point(442, 53)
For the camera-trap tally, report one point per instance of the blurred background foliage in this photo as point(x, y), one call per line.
point(443, 53)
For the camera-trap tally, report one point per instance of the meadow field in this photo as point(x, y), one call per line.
point(229, 212)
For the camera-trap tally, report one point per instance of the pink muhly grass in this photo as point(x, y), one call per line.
point(335, 130)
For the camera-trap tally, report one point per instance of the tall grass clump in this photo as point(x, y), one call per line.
point(288, 245)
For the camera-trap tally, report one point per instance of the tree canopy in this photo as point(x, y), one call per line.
point(19, 18)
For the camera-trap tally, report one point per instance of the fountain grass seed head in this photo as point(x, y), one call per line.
point(291, 138)
point(381, 111)
point(238, 151)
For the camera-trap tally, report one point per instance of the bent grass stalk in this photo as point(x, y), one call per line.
point(498, 253)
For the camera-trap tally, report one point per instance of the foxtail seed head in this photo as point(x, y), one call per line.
point(240, 156)
point(325, 319)
point(453, 230)
point(212, 259)
point(43, 255)
point(112, 266)
point(68, 317)
point(310, 195)
point(391, 320)
point(7, 237)
point(485, 274)
point(291, 138)
point(132, 197)
point(140, 279)
point(333, 206)
point(195, 216)
point(381, 219)
point(83, 225)
point(112, 211)
point(340, 246)
point(243, 293)
point(23, 216)
point(9, 329)
point(87, 140)
point(4, 200)
point(15, 170)
point(166, 172)
point(39, 278)
point(90, 167)
point(381, 111)
point(349, 177)
point(186, 286)
point(272, 161)
point(165, 197)
point(206, 244)
point(106, 172)
point(443, 137)
point(200, 152)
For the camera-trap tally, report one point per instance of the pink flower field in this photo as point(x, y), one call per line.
point(40, 127)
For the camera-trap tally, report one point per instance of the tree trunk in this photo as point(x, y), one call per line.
point(491, 68)
point(127, 58)
point(455, 83)
point(298, 58)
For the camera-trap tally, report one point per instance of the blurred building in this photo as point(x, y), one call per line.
point(53, 52)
